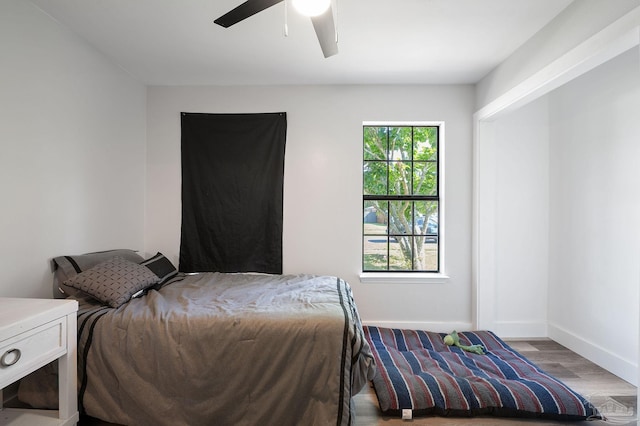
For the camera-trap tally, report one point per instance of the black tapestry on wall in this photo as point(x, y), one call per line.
point(232, 191)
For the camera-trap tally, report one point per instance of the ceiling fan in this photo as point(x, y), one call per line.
point(322, 19)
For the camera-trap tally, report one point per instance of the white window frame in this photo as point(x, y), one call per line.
point(385, 277)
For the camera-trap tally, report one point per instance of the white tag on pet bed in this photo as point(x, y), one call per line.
point(407, 414)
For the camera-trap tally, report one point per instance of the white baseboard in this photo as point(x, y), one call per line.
point(520, 329)
point(438, 327)
point(603, 357)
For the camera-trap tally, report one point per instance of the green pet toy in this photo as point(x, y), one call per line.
point(454, 340)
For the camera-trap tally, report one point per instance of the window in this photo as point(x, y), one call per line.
point(401, 197)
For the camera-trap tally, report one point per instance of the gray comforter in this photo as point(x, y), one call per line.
point(226, 349)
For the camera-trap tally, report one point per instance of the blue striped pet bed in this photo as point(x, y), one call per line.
point(417, 371)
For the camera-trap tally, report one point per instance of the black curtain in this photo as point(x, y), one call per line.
point(232, 187)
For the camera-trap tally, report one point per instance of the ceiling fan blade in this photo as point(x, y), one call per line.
point(326, 32)
point(245, 10)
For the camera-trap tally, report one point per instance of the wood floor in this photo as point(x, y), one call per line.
point(611, 395)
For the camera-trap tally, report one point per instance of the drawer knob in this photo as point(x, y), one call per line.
point(10, 357)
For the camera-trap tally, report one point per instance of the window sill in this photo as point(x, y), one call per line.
point(403, 278)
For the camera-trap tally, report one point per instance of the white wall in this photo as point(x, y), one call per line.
point(586, 34)
point(522, 216)
point(582, 141)
point(323, 183)
point(72, 132)
point(595, 212)
point(579, 21)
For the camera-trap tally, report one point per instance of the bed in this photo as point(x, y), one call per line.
point(213, 348)
point(417, 371)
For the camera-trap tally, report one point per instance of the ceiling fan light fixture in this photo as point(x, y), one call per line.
point(311, 7)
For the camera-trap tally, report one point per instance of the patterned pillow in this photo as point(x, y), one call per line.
point(66, 267)
point(114, 281)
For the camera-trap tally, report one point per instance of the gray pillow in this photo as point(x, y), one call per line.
point(66, 267)
point(114, 281)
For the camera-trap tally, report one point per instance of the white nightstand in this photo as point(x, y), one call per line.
point(34, 332)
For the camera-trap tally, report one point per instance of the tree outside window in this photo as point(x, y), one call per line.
point(400, 198)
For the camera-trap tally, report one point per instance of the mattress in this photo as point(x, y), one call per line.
point(418, 372)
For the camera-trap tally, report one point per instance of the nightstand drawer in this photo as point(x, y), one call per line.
point(30, 350)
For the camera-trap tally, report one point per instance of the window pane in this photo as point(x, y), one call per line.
point(400, 217)
point(400, 178)
point(426, 213)
point(426, 254)
point(375, 217)
point(425, 143)
point(400, 145)
point(425, 178)
point(375, 143)
point(375, 253)
point(400, 253)
point(375, 178)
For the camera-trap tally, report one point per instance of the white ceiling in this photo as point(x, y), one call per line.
point(175, 42)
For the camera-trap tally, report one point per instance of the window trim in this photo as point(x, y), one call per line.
point(385, 277)
point(390, 277)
